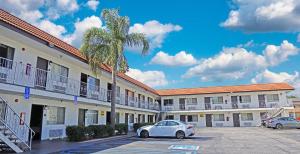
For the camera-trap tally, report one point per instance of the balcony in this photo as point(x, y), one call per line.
point(26, 75)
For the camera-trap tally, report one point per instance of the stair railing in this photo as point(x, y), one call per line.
point(13, 122)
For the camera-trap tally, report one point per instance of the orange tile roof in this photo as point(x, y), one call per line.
point(32, 30)
point(226, 89)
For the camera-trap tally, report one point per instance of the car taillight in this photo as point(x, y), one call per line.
point(189, 127)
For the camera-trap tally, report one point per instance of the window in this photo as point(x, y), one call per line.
point(55, 115)
point(118, 91)
point(192, 101)
point(91, 117)
point(162, 123)
point(245, 99)
point(272, 98)
point(217, 100)
point(192, 118)
point(150, 100)
point(246, 116)
point(59, 73)
point(182, 118)
point(168, 102)
point(170, 117)
point(219, 117)
point(6, 56)
point(150, 118)
point(93, 84)
point(172, 123)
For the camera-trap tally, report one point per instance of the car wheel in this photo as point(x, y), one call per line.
point(279, 126)
point(180, 135)
point(144, 134)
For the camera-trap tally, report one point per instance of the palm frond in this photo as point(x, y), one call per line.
point(138, 39)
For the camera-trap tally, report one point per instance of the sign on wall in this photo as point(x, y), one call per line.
point(27, 93)
point(75, 100)
point(102, 113)
point(201, 115)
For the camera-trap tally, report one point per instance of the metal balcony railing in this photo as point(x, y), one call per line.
point(26, 75)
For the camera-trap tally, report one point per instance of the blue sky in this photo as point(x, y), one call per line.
point(217, 42)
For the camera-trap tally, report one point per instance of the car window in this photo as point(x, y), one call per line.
point(162, 123)
point(284, 119)
point(291, 119)
point(172, 123)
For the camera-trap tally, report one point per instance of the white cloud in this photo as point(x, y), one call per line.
point(58, 8)
point(151, 78)
point(271, 77)
point(264, 15)
point(236, 63)
point(25, 9)
point(93, 4)
point(50, 27)
point(180, 59)
point(28, 10)
point(154, 31)
point(231, 63)
point(80, 27)
point(268, 77)
point(278, 54)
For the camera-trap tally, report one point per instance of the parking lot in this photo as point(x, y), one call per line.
point(209, 140)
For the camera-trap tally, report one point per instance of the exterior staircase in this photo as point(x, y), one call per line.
point(15, 134)
point(276, 112)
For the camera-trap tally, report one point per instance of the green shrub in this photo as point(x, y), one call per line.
point(109, 130)
point(75, 133)
point(80, 133)
point(136, 126)
point(121, 128)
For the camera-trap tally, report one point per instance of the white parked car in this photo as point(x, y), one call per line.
point(167, 128)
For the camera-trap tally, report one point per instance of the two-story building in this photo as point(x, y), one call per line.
point(244, 105)
point(49, 84)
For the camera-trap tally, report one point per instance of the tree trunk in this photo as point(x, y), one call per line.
point(113, 99)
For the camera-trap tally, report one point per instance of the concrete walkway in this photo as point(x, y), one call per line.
point(59, 146)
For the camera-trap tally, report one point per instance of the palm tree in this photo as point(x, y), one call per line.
point(106, 46)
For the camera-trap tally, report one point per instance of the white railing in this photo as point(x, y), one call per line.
point(14, 123)
point(26, 75)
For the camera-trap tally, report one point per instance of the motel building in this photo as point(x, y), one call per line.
point(231, 106)
point(46, 85)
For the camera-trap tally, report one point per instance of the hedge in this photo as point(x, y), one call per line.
point(136, 126)
point(121, 129)
point(80, 133)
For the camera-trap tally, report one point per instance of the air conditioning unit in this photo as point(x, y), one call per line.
point(247, 124)
point(218, 107)
point(219, 124)
point(55, 133)
point(245, 106)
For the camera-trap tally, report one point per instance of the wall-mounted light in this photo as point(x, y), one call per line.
point(50, 44)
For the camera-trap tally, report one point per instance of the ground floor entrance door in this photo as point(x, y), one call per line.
point(208, 119)
point(236, 119)
point(81, 117)
point(36, 120)
point(108, 118)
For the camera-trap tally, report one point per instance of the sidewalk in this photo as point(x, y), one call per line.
point(53, 146)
